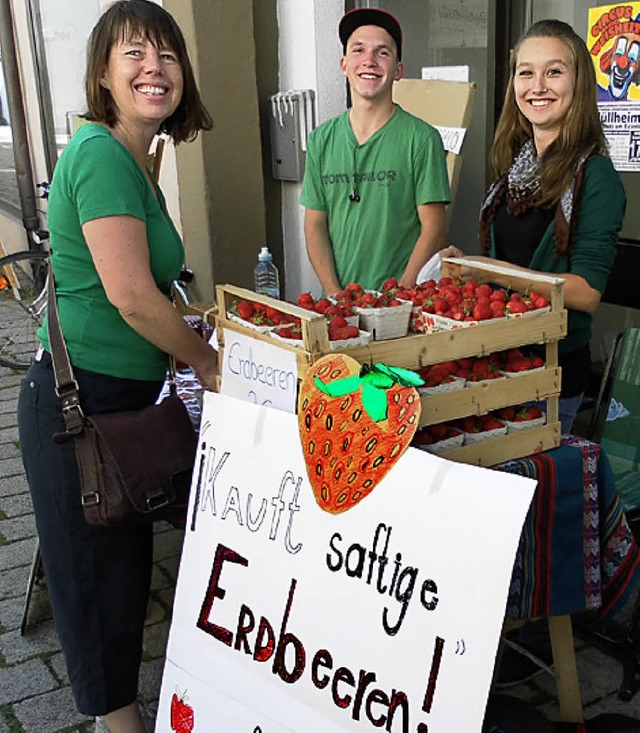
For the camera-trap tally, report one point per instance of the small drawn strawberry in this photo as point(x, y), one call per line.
point(181, 714)
point(354, 425)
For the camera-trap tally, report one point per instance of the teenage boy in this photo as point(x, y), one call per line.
point(375, 186)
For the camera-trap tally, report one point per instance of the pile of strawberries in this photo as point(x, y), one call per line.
point(339, 330)
point(435, 434)
point(325, 307)
point(260, 315)
point(474, 424)
point(335, 313)
point(515, 362)
point(479, 368)
point(468, 301)
point(479, 423)
point(519, 413)
point(354, 295)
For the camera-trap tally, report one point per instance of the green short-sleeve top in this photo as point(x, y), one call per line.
point(97, 177)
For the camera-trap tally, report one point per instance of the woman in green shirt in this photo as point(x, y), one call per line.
point(114, 254)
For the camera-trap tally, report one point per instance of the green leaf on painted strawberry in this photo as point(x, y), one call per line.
point(374, 381)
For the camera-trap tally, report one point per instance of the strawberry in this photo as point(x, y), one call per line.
point(337, 322)
point(338, 333)
point(305, 300)
point(346, 450)
point(498, 308)
point(423, 437)
point(470, 424)
point(355, 288)
point(506, 413)
point(527, 412)
point(245, 310)
point(440, 431)
point(499, 296)
point(390, 285)
point(489, 422)
point(516, 306)
point(484, 290)
point(512, 354)
point(344, 296)
point(538, 300)
point(322, 305)
point(481, 367)
point(294, 331)
point(181, 715)
point(482, 312)
point(331, 311)
point(519, 365)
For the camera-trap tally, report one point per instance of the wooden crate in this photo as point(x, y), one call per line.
point(417, 350)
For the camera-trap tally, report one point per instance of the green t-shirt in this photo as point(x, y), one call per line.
point(398, 168)
point(96, 177)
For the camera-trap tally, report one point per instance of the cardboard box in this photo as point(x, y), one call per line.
point(440, 103)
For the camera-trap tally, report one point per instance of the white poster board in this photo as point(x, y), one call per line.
point(288, 618)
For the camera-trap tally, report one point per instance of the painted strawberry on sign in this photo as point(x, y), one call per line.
point(355, 422)
point(181, 714)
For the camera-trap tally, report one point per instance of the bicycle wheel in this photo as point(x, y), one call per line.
point(23, 299)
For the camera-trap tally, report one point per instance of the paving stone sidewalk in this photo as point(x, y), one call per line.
point(35, 696)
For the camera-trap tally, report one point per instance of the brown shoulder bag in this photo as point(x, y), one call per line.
point(135, 467)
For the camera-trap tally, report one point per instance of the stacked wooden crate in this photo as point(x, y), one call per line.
point(417, 350)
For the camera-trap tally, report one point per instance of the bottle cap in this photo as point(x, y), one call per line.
point(264, 254)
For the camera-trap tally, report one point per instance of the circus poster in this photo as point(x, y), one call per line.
point(613, 40)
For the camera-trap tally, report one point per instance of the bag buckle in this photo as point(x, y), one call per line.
point(90, 499)
point(68, 395)
point(157, 500)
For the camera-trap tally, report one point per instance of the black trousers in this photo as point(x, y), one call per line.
point(98, 579)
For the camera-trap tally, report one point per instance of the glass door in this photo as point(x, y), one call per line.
point(60, 40)
point(456, 33)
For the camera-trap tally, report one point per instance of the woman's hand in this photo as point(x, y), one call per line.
point(207, 372)
point(452, 251)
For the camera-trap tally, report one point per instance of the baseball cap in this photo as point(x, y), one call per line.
point(370, 16)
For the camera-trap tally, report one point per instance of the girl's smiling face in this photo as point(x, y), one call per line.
point(544, 85)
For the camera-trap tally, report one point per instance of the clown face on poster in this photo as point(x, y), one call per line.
point(294, 612)
point(614, 43)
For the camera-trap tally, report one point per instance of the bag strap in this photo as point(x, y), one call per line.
point(66, 385)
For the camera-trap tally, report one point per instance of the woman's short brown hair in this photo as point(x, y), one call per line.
point(122, 21)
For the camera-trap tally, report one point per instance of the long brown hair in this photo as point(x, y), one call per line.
point(581, 131)
point(122, 21)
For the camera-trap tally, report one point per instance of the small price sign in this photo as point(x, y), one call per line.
point(258, 372)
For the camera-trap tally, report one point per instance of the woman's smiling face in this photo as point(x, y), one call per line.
point(544, 84)
point(145, 81)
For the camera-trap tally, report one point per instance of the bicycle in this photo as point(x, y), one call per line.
point(23, 297)
point(23, 302)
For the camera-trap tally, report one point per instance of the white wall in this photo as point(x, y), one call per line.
point(309, 55)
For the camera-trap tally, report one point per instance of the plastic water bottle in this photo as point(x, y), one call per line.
point(265, 277)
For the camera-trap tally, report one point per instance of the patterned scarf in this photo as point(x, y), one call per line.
point(520, 188)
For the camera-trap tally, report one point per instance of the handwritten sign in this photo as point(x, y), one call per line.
point(288, 618)
point(452, 138)
point(259, 372)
